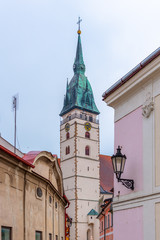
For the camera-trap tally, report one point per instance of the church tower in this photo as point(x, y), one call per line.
point(79, 150)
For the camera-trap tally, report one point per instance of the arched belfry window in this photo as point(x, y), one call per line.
point(87, 150)
point(67, 135)
point(87, 134)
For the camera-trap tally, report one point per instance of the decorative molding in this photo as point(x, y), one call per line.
point(148, 106)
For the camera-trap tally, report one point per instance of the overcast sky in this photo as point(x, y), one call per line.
point(38, 41)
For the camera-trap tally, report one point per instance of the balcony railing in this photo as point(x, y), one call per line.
point(80, 116)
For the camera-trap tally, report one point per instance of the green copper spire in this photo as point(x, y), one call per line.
point(79, 66)
point(79, 92)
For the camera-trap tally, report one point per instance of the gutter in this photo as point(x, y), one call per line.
point(131, 73)
point(16, 156)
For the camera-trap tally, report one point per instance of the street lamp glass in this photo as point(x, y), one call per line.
point(118, 162)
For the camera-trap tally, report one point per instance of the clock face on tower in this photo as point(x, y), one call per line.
point(87, 126)
point(67, 127)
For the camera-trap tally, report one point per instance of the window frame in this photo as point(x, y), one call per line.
point(87, 150)
point(67, 150)
point(50, 236)
point(10, 233)
point(67, 135)
point(37, 231)
point(87, 135)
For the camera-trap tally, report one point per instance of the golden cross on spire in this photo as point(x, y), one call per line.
point(79, 21)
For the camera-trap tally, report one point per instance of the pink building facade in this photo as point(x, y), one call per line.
point(136, 101)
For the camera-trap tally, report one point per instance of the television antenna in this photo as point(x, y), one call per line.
point(14, 105)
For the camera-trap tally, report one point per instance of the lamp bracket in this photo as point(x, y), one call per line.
point(128, 183)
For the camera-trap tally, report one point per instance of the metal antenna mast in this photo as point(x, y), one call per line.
point(15, 119)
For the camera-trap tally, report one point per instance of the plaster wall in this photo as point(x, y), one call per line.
point(129, 135)
point(88, 167)
point(68, 167)
point(93, 148)
point(11, 200)
point(71, 210)
point(80, 173)
point(70, 142)
point(42, 167)
point(83, 228)
point(10, 147)
point(128, 224)
point(89, 191)
point(21, 208)
point(84, 206)
point(69, 185)
point(157, 215)
point(157, 140)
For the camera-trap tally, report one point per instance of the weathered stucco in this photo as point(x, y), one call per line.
point(21, 208)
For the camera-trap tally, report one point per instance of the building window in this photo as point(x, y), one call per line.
point(56, 237)
point(67, 135)
point(69, 117)
point(87, 134)
point(108, 221)
point(67, 150)
point(105, 222)
point(50, 199)
point(39, 192)
point(56, 205)
point(38, 235)
point(50, 236)
point(102, 226)
point(90, 118)
point(80, 115)
point(88, 168)
point(6, 233)
point(87, 150)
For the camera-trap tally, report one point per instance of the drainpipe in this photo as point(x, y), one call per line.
point(104, 226)
point(68, 203)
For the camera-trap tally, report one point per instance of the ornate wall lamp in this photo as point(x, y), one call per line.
point(118, 162)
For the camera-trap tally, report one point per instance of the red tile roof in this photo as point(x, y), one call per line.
point(106, 172)
point(30, 156)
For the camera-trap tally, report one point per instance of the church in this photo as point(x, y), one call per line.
point(79, 152)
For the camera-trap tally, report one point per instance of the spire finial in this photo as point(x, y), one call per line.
point(79, 21)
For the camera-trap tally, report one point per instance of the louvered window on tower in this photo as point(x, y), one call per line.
point(87, 150)
point(90, 118)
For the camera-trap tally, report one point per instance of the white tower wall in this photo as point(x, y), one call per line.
point(81, 174)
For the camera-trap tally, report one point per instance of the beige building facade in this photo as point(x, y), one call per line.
point(32, 205)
